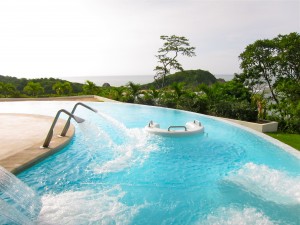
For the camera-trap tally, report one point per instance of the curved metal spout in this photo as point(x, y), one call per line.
point(67, 125)
point(50, 133)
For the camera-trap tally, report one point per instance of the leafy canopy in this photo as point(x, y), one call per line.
point(274, 66)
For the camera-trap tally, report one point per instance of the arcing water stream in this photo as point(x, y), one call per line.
point(18, 202)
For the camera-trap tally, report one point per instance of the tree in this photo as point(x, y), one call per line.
point(58, 88)
point(179, 91)
point(7, 89)
point(288, 92)
point(154, 95)
point(230, 99)
point(90, 88)
point(268, 62)
point(115, 93)
point(62, 88)
point(275, 64)
point(288, 50)
point(67, 87)
point(167, 56)
point(259, 64)
point(134, 90)
point(33, 88)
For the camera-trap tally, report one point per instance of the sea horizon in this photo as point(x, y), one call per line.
point(121, 80)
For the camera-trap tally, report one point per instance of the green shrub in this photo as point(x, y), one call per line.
point(235, 110)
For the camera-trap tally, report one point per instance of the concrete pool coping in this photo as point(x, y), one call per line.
point(21, 138)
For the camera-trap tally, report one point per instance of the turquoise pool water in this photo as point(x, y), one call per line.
point(113, 172)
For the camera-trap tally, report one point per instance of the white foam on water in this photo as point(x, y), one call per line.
point(270, 184)
point(236, 216)
point(87, 207)
point(133, 151)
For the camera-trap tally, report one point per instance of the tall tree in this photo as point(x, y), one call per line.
point(167, 56)
point(259, 64)
point(134, 90)
point(178, 89)
point(58, 88)
point(7, 89)
point(276, 64)
point(62, 88)
point(268, 62)
point(67, 87)
point(288, 50)
point(33, 88)
point(90, 88)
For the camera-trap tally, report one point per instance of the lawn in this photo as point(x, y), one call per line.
point(289, 139)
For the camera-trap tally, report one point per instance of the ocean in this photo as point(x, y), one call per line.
point(118, 81)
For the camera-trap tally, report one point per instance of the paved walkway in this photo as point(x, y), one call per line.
point(21, 136)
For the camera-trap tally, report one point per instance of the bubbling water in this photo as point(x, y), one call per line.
point(270, 184)
point(132, 149)
point(78, 207)
point(236, 216)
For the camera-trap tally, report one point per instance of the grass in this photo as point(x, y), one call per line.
point(289, 139)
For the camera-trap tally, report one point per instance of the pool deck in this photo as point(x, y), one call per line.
point(22, 136)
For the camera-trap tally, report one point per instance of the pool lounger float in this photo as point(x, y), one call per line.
point(190, 128)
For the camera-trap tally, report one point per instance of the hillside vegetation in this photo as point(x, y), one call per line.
point(14, 87)
point(191, 78)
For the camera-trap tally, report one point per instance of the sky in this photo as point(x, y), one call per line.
point(66, 38)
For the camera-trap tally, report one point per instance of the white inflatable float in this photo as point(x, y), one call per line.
point(190, 128)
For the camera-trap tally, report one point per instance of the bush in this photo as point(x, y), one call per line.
point(235, 110)
point(194, 103)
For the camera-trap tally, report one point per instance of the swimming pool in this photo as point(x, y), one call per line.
point(116, 173)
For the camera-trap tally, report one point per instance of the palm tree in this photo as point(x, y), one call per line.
point(116, 93)
point(58, 88)
point(90, 88)
point(134, 90)
point(67, 87)
point(178, 88)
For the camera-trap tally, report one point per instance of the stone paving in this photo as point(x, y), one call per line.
point(21, 138)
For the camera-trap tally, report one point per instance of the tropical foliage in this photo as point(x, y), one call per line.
point(267, 88)
point(62, 88)
point(191, 78)
point(8, 90)
point(34, 89)
point(272, 69)
point(14, 87)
